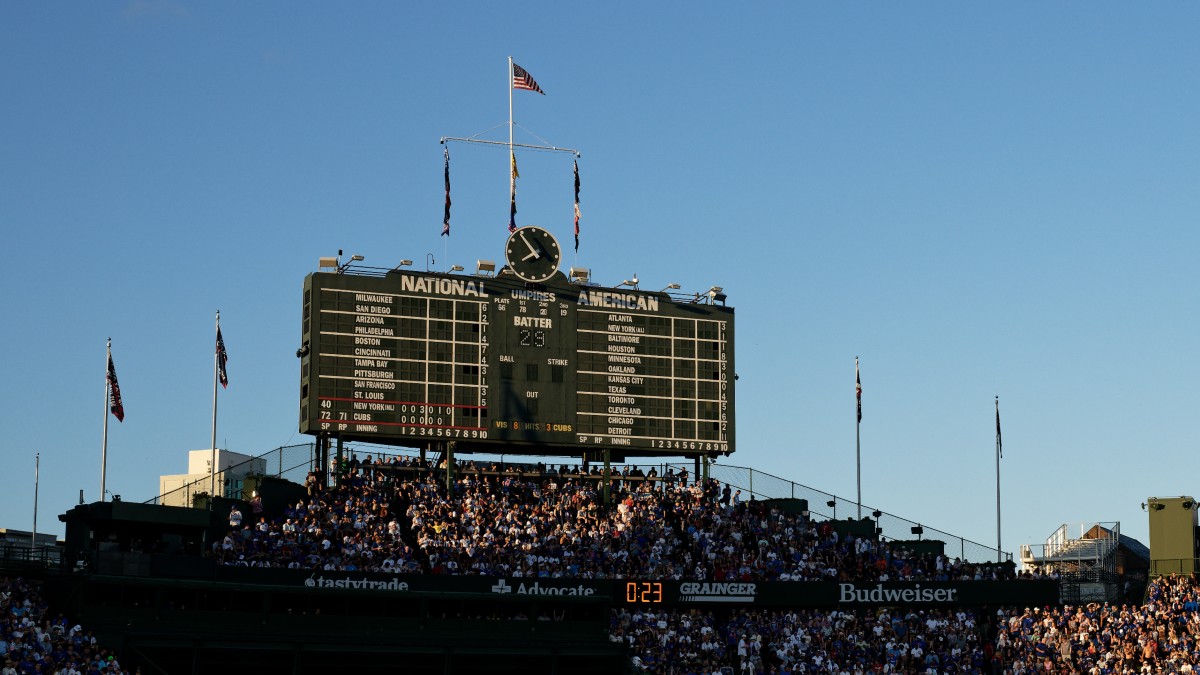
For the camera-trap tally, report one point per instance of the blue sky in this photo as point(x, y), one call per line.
point(975, 200)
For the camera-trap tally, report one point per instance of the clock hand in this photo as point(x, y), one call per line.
point(533, 253)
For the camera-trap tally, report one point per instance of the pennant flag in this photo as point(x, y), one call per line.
point(515, 173)
point(523, 80)
point(446, 218)
point(115, 405)
point(222, 357)
point(576, 206)
point(858, 388)
point(999, 442)
point(512, 214)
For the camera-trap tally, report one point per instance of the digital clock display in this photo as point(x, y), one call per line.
point(413, 358)
point(649, 592)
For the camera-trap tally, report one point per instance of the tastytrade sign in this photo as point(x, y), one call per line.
point(363, 583)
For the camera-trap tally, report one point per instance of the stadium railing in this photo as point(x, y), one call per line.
point(824, 505)
point(20, 557)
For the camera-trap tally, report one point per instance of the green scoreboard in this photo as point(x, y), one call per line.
point(499, 364)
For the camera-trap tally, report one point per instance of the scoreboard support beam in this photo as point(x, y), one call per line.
point(341, 458)
point(448, 453)
point(607, 476)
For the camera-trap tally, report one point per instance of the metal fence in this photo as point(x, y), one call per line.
point(21, 557)
point(293, 463)
point(822, 505)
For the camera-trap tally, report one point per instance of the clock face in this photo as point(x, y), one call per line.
point(532, 254)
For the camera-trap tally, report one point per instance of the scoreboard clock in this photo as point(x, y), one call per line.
point(532, 254)
point(522, 362)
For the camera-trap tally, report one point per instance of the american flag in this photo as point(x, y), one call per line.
point(222, 357)
point(115, 406)
point(523, 80)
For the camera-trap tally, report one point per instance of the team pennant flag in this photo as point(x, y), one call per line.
point(515, 173)
point(576, 206)
point(115, 405)
point(222, 357)
point(523, 80)
point(999, 442)
point(512, 214)
point(446, 218)
point(858, 388)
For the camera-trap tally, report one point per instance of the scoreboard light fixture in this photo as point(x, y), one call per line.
point(403, 263)
point(327, 263)
point(456, 268)
point(353, 259)
point(670, 287)
point(579, 275)
point(632, 283)
point(485, 268)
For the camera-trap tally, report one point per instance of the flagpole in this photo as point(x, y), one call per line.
point(37, 468)
point(512, 177)
point(858, 438)
point(998, 553)
point(104, 441)
point(212, 465)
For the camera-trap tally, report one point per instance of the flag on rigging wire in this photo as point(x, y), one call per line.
point(523, 80)
point(512, 203)
point(858, 388)
point(115, 405)
point(222, 357)
point(999, 442)
point(576, 206)
point(446, 218)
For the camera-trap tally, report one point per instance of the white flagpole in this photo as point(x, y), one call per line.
point(107, 400)
point(512, 179)
point(212, 464)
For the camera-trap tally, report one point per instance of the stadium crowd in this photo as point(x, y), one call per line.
point(34, 642)
point(890, 640)
point(1161, 636)
point(400, 517)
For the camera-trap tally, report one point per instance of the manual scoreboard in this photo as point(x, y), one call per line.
point(412, 358)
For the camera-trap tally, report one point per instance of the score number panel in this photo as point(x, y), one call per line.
point(414, 358)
